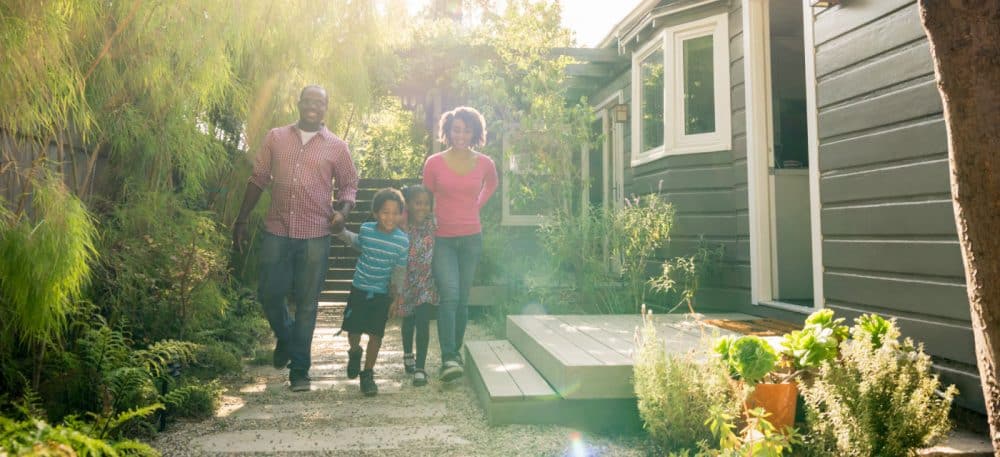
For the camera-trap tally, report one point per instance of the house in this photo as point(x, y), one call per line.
point(809, 141)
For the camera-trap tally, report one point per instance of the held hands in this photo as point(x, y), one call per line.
point(337, 222)
point(397, 306)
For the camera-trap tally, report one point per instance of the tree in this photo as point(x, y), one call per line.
point(965, 45)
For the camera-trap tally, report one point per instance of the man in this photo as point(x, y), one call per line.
point(299, 162)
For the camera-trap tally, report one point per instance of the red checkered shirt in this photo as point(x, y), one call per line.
point(301, 179)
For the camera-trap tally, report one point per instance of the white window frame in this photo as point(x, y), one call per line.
point(639, 156)
point(506, 217)
point(675, 141)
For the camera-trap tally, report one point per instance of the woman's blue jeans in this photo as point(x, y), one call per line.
point(292, 269)
point(454, 265)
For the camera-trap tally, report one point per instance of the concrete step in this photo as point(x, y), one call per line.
point(340, 273)
point(339, 296)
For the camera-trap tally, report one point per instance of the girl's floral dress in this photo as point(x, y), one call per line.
point(419, 278)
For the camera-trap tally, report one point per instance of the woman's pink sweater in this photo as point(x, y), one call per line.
point(458, 198)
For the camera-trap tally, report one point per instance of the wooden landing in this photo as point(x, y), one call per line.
point(590, 356)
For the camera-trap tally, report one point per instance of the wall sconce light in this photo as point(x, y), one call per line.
point(620, 113)
point(823, 3)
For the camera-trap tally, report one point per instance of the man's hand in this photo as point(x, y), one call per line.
point(337, 222)
point(241, 236)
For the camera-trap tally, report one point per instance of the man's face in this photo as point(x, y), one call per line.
point(312, 106)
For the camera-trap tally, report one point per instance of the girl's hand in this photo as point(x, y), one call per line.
point(397, 306)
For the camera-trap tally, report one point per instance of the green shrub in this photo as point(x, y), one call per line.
point(879, 399)
point(216, 359)
point(677, 392)
point(197, 401)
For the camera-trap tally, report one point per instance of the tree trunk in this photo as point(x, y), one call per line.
point(965, 44)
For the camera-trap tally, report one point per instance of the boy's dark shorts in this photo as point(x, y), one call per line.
point(364, 315)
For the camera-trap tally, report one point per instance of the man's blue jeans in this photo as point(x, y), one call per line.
point(294, 269)
point(454, 264)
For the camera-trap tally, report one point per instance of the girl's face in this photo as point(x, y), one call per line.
point(419, 207)
point(460, 135)
point(388, 216)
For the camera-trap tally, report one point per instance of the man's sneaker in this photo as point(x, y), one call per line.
point(354, 363)
point(368, 386)
point(419, 378)
point(458, 358)
point(450, 371)
point(300, 383)
point(409, 363)
point(280, 357)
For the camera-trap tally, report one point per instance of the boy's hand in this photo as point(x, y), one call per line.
point(337, 222)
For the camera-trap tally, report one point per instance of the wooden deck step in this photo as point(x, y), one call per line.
point(590, 357)
point(511, 391)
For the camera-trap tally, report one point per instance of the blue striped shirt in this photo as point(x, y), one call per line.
point(380, 253)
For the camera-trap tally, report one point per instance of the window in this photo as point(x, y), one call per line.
point(525, 190)
point(694, 99)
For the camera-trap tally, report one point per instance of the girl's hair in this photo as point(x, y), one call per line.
point(384, 195)
point(411, 192)
point(472, 118)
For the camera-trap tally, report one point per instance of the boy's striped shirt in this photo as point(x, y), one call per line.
point(380, 253)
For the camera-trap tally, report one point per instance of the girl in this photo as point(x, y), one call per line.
point(419, 294)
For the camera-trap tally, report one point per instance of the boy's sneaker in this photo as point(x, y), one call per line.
point(368, 386)
point(354, 363)
point(451, 370)
point(280, 357)
point(419, 378)
point(409, 363)
point(458, 358)
point(300, 382)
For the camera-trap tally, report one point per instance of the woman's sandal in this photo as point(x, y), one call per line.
point(419, 378)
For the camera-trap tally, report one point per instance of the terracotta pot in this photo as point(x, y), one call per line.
point(777, 399)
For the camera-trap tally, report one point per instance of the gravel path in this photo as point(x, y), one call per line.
point(260, 416)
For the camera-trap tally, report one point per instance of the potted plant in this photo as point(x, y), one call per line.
point(753, 361)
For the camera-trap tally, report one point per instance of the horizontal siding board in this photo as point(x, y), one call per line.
point(709, 226)
point(681, 161)
point(890, 32)
point(921, 218)
point(905, 142)
point(739, 150)
point(681, 180)
point(902, 181)
point(906, 296)
point(912, 102)
point(707, 202)
point(739, 122)
point(855, 15)
point(736, 72)
point(942, 258)
point(946, 341)
point(721, 299)
point(739, 97)
point(908, 64)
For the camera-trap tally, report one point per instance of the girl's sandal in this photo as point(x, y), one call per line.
point(419, 378)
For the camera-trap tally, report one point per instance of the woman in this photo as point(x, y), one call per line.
point(462, 181)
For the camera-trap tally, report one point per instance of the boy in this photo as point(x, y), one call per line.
point(384, 249)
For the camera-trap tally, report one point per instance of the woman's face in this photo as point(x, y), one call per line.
point(419, 207)
point(460, 134)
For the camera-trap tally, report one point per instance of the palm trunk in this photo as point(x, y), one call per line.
point(965, 44)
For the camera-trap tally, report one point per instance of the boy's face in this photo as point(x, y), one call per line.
point(388, 215)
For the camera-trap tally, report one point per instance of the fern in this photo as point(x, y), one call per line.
point(196, 400)
point(156, 358)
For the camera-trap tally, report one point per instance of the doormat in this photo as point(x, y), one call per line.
point(757, 327)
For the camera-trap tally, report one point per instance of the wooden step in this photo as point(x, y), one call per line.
point(340, 273)
point(337, 284)
point(509, 389)
point(339, 296)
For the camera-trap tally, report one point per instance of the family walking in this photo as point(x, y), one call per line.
point(420, 251)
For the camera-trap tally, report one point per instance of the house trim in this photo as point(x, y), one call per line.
point(759, 157)
point(506, 217)
point(613, 182)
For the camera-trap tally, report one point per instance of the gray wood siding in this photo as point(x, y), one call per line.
point(707, 190)
point(889, 239)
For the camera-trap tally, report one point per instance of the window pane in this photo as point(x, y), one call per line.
point(699, 89)
point(652, 101)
